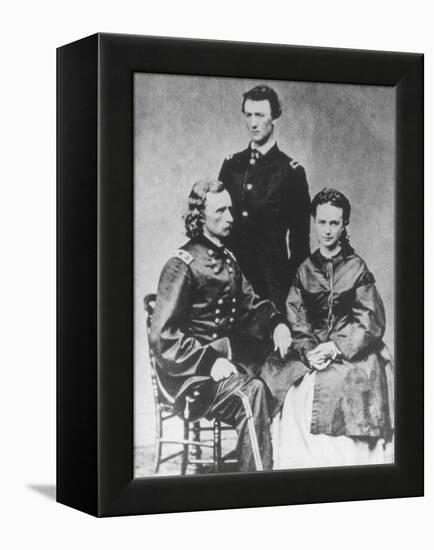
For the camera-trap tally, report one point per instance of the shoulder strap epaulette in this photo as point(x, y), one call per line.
point(183, 255)
point(229, 156)
point(293, 164)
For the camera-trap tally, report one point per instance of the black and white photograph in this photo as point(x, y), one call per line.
point(264, 279)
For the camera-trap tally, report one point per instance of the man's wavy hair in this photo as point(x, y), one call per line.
point(195, 216)
point(259, 93)
point(338, 199)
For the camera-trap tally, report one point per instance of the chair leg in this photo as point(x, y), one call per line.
point(186, 448)
point(217, 445)
point(196, 451)
point(158, 437)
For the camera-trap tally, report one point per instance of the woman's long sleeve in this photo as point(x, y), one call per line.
point(358, 335)
point(304, 340)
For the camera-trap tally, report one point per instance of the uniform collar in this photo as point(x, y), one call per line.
point(210, 244)
point(263, 149)
point(217, 244)
point(269, 156)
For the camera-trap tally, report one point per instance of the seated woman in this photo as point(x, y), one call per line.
point(338, 410)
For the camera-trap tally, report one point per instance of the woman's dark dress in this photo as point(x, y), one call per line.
point(336, 300)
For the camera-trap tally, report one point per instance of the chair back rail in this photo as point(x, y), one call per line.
point(158, 389)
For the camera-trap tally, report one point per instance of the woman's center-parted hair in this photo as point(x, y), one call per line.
point(335, 198)
point(339, 200)
point(195, 215)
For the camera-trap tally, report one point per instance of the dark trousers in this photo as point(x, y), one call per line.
point(242, 402)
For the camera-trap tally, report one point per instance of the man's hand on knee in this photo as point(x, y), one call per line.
point(222, 369)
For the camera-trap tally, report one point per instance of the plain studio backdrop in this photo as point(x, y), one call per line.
point(185, 126)
point(31, 31)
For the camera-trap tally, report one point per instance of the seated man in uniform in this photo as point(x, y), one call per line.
point(204, 316)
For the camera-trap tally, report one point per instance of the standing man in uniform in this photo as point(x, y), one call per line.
point(270, 195)
point(204, 316)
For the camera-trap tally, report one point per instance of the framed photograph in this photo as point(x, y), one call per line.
point(240, 268)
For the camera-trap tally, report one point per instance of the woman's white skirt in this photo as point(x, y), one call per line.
point(295, 447)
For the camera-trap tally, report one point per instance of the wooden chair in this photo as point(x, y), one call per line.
point(192, 445)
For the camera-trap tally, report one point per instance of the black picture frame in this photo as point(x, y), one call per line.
point(95, 274)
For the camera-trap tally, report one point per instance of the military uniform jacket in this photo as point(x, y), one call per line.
point(203, 305)
point(270, 196)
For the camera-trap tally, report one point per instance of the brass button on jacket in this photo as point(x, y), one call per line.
point(271, 205)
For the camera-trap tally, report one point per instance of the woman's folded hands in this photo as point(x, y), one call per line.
point(321, 357)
